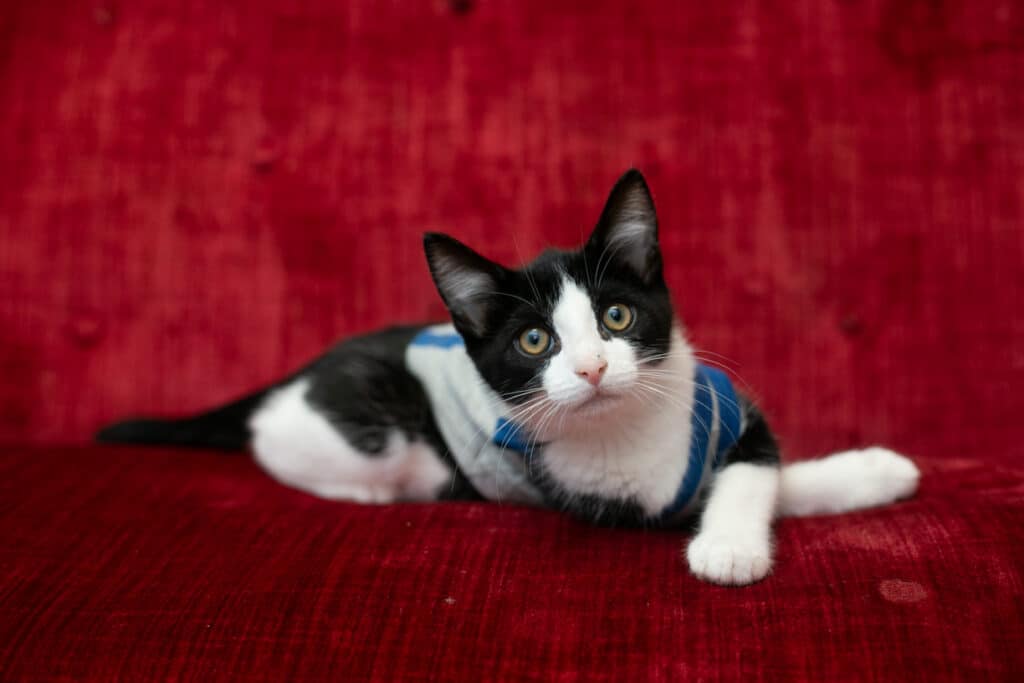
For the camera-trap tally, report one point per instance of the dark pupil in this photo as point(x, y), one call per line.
point(615, 314)
point(534, 337)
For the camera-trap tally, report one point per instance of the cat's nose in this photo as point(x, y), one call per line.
point(593, 370)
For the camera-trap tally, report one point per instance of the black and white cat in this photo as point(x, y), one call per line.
point(567, 383)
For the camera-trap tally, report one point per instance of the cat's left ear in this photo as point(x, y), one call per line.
point(627, 231)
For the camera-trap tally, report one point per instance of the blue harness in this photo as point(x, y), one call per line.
point(716, 425)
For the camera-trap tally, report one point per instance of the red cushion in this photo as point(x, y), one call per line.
point(124, 564)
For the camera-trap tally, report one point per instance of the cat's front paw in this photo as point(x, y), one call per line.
point(730, 561)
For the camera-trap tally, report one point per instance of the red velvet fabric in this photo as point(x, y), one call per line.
point(126, 564)
point(197, 197)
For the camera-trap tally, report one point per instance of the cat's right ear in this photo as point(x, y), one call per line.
point(628, 228)
point(466, 281)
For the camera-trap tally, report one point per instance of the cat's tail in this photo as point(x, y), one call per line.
point(850, 480)
point(224, 428)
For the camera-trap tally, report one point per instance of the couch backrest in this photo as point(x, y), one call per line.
point(196, 199)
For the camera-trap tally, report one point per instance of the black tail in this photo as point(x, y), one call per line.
point(224, 428)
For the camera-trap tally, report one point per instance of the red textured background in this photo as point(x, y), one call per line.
point(195, 198)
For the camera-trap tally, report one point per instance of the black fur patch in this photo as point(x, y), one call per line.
point(757, 444)
point(362, 387)
point(223, 428)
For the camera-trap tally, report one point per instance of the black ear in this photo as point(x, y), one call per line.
point(628, 228)
point(466, 281)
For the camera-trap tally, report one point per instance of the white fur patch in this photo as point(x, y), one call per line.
point(734, 544)
point(582, 346)
point(299, 447)
point(620, 439)
point(850, 480)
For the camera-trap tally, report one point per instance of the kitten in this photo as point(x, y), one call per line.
point(567, 383)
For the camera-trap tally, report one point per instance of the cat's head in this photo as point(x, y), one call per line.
point(573, 334)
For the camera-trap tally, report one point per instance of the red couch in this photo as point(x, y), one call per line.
point(197, 198)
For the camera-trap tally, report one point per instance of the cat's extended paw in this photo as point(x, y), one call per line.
point(891, 475)
point(728, 560)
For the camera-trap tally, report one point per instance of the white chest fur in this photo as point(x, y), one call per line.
point(640, 452)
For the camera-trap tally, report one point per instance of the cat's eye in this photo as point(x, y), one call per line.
point(534, 341)
point(617, 317)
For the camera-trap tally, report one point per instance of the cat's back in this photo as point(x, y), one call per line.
point(385, 344)
point(363, 385)
point(356, 424)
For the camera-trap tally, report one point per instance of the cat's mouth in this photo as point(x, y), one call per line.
point(589, 401)
point(597, 401)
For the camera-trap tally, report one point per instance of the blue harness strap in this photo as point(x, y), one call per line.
point(507, 435)
point(715, 428)
point(428, 338)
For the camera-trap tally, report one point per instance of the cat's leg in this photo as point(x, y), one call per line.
point(845, 481)
point(734, 543)
point(295, 442)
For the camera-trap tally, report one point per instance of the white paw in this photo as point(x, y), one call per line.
point(730, 561)
point(891, 475)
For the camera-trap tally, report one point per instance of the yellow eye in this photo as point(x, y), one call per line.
point(617, 317)
point(534, 341)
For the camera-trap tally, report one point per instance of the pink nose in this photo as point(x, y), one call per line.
point(593, 371)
